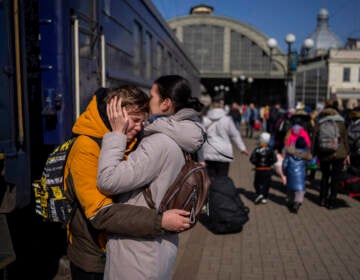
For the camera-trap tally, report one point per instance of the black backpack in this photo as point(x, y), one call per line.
point(226, 211)
point(51, 200)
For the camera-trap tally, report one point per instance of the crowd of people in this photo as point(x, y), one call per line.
point(297, 142)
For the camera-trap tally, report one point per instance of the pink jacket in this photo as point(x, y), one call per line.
point(295, 132)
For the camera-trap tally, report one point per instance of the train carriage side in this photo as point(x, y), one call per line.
point(140, 46)
point(54, 54)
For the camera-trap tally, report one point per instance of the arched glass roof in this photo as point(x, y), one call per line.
point(221, 46)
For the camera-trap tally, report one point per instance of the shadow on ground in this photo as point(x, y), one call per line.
point(250, 195)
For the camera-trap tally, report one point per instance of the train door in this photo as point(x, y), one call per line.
point(14, 144)
point(88, 55)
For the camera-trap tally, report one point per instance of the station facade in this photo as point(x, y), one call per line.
point(234, 59)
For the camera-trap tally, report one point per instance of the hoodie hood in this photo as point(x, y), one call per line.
point(188, 134)
point(92, 121)
point(216, 114)
point(328, 112)
point(295, 132)
point(335, 117)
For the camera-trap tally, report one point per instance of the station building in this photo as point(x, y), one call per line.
point(329, 69)
point(234, 59)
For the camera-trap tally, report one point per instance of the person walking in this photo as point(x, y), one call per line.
point(354, 141)
point(331, 161)
point(235, 114)
point(263, 157)
point(96, 214)
point(155, 163)
point(221, 132)
point(251, 115)
point(294, 168)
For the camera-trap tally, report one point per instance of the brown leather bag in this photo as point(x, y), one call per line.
point(188, 192)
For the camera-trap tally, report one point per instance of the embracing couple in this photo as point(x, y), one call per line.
point(113, 233)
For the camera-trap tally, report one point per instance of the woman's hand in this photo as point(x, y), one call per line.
point(175, 220)
point(118, 116)
point(245, 152)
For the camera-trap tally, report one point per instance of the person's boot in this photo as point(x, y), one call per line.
point(322, 197)
point(331, 204)
point(322, 201)
point(295, 207)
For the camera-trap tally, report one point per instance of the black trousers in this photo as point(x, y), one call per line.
point(262, 182)
point(249, 129)
point(79, 274)
point(217, 168)
point(332, 174)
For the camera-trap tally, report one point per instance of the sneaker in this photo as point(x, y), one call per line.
point(258, 199)
point(323, 202)
point(264, 201)
point(295, 208)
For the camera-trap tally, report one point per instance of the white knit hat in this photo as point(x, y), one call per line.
point(264, 138)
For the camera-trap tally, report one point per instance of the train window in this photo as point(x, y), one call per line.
point(84, 45)
point(138, 49)
point(159, 59)
point(148, 55)
point(169, 63)
point(82, 6)
point(86, 13)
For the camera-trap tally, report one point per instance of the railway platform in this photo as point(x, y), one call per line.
point(316, 243)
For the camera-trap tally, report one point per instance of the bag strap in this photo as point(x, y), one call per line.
point(148, 197)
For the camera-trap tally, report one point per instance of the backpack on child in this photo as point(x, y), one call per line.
point(52, 202)
point(188, 192)
point(329, 134)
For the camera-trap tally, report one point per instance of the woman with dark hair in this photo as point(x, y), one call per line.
point(156, 162)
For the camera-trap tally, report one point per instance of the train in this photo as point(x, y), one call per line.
point(54, 55)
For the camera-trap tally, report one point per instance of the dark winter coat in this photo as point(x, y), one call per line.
point(263, 157)
point(343, 149)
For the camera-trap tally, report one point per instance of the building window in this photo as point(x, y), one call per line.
point(346, 74)
point(148, 55)
point(138, 48)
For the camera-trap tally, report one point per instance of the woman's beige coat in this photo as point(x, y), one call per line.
point(157, 161)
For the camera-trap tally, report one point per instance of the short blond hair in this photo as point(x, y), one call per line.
point(131, 96)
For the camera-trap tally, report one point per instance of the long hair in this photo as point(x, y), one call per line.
point(177, 89)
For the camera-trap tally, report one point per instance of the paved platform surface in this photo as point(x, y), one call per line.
point(317, 243)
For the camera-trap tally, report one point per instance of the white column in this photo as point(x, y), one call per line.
point(291, 92)
point(180, 33)
point(227, 44)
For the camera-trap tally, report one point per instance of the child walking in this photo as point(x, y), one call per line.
point(294, 168)
point(263, 157)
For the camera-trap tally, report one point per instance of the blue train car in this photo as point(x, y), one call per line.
point(54, 55)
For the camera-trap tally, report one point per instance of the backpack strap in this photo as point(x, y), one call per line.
point(148, 197)
point(70, 192)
